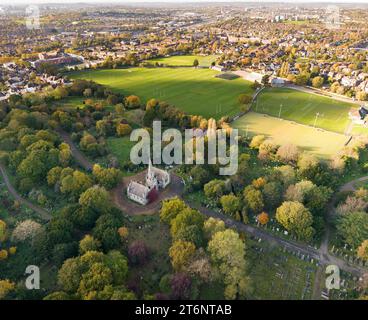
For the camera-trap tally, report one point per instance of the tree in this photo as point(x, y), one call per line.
point(200, 176)
point(214, 189)
point(75, 183)
point(287, 174)
point(123, 129)
point(253, 199)
point(181, 286)
point(227, 252)
point(106, 230)
point(94, 280)
point(6, 287)
point(95, 198)
point(288, 153)
point(88, 243)
point(118, 264)
point(132, 102)
point(138, 252)
point(361, 96)
point(263, 218)
point(108, 178)
point(182, 223)
point(272, 194)
point(317, 198)
point(212, 226)
point(3, 254)
point(180, 253)
point(353, 228)
point(230, 204)
point(58, 295)
point(70, 274)
point(352, 204)
point(363, 251)
point(317, 82)
point(265, 80)
point(26, 230)
point(299, 191)
point(257, 141)
point(244, 99)
point(2, 231)
point(170, 209)
point(294, 217)
point(112, 99)
point(123, 233)
point(306, 163)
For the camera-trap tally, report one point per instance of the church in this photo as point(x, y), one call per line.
point(156, 179)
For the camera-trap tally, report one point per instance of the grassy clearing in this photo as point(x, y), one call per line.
point(204, 61)
point(324, 144)
point(120, 148)
point(195, 91)
point(302, 108)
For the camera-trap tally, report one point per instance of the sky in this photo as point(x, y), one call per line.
point(175, 1)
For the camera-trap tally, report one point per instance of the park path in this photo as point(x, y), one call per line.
point(77, 154)
point(40, 211)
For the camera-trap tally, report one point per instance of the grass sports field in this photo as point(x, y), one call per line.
point(322, 143)
point(204, 61)
point(195, 91)
point(302, 108)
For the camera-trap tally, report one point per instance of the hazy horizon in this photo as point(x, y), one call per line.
point(180, 1)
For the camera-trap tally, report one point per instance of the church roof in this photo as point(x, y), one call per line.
point(138, 189)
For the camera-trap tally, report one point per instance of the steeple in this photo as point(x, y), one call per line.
point(150, 167)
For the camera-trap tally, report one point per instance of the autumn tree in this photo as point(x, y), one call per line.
point(214, 189)
point(6, 287)
point(294, 217)
point(188, 226)
point(123, 129)
point(132, 102)
point(88, 243)
point(171, 208)
point(288, 153)
point(353, 228)
point(108, 178)
point(2, 230)
point(317, 82)
point(363, 251)
point(212, 226)
point(231, 204)
point(263, 218)
point(95, 198)
point(180, 253)
point(138, 252)
point(244, 99)
point(231, 267)
point(253, 199)
point(26, 230)
point(181, 286)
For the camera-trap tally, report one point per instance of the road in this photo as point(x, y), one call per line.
point(40, 211)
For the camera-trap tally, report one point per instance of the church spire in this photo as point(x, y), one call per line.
point(149, 166)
